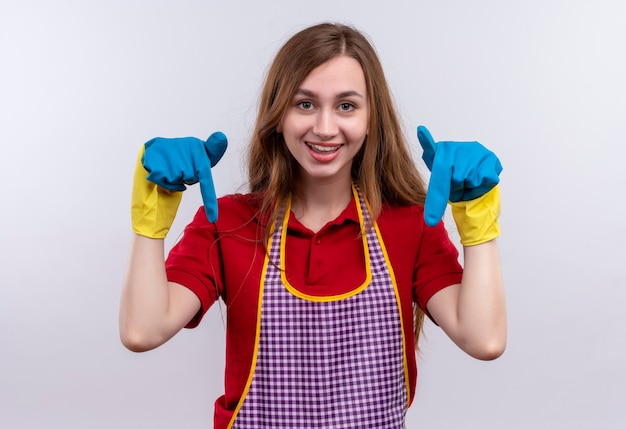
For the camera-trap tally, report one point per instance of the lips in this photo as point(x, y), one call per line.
point(323, 149)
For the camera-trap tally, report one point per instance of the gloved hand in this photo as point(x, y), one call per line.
point(467, 175)
point(163, 169)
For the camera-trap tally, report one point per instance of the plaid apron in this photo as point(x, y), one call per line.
point(327, 362)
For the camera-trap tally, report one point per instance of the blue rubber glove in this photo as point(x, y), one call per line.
point(176, 162)
point(460, 171)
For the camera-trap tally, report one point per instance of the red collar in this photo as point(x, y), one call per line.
point(349, 214)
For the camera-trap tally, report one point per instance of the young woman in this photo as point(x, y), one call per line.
point(328, 266)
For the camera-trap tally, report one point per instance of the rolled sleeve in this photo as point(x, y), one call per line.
point(191, 264)
point(437, 265)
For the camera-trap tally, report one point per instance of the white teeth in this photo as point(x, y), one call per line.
point(324, 149)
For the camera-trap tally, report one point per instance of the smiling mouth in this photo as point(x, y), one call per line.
point(323, 149)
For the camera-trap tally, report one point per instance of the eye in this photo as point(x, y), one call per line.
point(346, 107)
point(305, 105)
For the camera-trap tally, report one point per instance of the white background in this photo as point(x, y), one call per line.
point(84, 83)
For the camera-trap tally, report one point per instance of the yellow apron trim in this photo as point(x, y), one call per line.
point(399, 303)
point(316, 298)
point(257, 338)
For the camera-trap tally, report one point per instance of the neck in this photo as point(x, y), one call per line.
point(316, 205)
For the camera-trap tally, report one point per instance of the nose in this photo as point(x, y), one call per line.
point(326, 125)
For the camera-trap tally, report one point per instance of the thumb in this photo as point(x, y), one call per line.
point(428, 144)
point(215, 147)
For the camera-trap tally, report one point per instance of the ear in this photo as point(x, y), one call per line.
point(279, 127)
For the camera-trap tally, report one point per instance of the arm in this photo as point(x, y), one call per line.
point(152, 310)
point(466, 174)
point(473, 313)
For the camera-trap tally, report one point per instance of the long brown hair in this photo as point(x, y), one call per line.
point(383, 168)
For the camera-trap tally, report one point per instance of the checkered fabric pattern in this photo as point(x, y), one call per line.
point(337, 364)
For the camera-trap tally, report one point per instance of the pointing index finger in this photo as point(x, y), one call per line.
point(438, 192)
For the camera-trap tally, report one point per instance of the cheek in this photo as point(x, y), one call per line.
point(288, 125)
point(360, 130)
point(296, 129)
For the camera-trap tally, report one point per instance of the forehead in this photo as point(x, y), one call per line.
point(339, 74)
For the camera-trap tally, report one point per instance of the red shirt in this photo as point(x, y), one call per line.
point(225, 260)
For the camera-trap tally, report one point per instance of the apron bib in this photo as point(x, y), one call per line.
point(327, 362)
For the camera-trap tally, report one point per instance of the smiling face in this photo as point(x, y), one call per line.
point(326, 122)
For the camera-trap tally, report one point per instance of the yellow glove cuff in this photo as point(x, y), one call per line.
point(153, 208)
point(477, 219)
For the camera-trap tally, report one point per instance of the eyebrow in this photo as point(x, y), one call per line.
point(309, 93)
